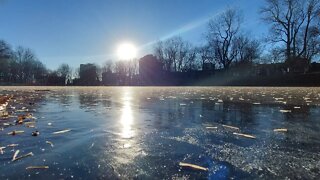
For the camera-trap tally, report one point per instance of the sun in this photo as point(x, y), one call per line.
point(126, 51)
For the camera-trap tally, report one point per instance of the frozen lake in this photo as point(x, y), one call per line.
point(145, 132)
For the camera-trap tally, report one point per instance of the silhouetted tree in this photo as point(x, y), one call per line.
point(173, 53)
point(5, 58)
point(108, 66)
point(248, 50)
point(29, 69)
point(40, 72)
point(206, 54)
point(171, 48)
point(99, 72)
point(121, 72)
point(274, 55)
point(294, 24)
point(191, 62)
point(222, 35)
point(65, 72)
point(126, 71)
point(133, 70)
point(55, 79)
point(76, 73)
point(159, 53)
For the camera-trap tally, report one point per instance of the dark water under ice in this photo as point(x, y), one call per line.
point(143, 133)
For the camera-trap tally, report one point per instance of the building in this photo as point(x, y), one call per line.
point(109, 78)
point(150, 70)
point(88, 74)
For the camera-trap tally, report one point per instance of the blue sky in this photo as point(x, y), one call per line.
point(81, 31)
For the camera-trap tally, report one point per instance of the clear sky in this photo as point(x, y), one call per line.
point(89, 31)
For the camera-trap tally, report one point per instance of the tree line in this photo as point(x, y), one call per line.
point(294, 35)
point(225, 44)
point(21, 66)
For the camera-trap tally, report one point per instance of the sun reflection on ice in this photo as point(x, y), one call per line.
point(127, 119)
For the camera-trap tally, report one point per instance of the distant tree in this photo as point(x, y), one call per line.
point(184, 49)
point(76, 76)
point(29, 68)
point(173, 53)
point(206, 54)
point(248, 50)
point(98, 72)
point(5, 49)
point(20, 66)
point(76, 73)
point(133, 68)
point(108, 66)
point(5, 58)
point(159, 53)
point(222, 35)
point(121, 72)
point(55, 79)
point(191, 59)
point(275, 55)
point(40, 72)
point(65, 72)
point(293, 24)
point(14, 70)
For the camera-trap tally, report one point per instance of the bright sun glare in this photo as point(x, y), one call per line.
point(126, 51)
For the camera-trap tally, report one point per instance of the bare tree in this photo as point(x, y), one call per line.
point(191, 59)
point(126, 71)
point(159, 53)
point(133, 67)
point(39, 72)
point(222, 34)
point(274, 55)
point(206, 54)
point(98, 72)
point(76, 73)
point(27, 64)
point(65, 71)
point(5, 49)
point(108, 66)
point(20, 65)
point(248, 50)
point(173, 53)
point(313, 43)
point(5, 55)
point(291, 24)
